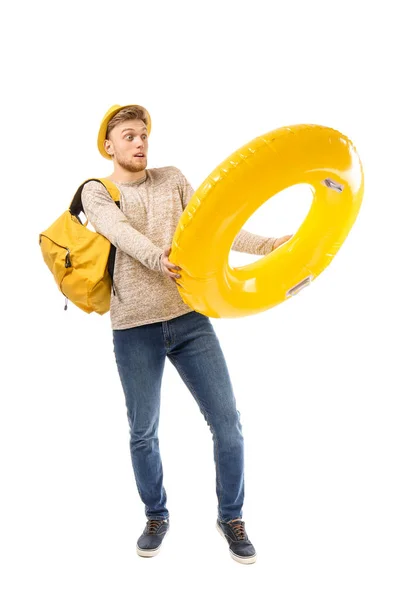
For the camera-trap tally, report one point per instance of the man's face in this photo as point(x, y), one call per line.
point(125, 141)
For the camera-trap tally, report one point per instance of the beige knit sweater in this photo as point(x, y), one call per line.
point(143, 226)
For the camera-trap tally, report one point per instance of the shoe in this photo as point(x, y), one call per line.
point(240, 547)
point(149, 543)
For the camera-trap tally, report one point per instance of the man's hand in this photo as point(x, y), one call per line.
point(166, 265)
point(280, 241)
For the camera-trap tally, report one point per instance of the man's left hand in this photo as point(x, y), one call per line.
point(280, 241)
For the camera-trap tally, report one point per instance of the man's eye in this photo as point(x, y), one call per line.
point(130, 135)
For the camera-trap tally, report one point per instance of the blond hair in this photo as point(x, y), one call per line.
point(125, 114)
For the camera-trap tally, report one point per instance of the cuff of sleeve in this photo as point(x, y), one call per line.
point(269, 245)
point(159, 261)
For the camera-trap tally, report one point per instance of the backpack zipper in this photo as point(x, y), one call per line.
point(67, 256)
point(66, 301)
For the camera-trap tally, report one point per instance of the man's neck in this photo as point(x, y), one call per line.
point(126, 177)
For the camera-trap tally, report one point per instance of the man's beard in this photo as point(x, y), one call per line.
point(130, 165)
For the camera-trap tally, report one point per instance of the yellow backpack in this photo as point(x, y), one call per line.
point(82, 261)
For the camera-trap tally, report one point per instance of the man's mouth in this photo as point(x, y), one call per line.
point(139, 155)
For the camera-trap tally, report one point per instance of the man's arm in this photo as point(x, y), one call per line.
point(110, 221)
point(245, 241)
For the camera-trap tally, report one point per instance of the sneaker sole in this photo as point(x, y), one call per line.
point(149, 553)
point(246, 560)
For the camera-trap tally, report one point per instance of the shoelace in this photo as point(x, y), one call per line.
point(238, 528)
point(153, 525)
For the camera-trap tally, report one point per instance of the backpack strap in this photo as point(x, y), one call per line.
point(112, 188)
point(76, 208)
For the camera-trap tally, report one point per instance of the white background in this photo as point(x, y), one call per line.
point(315, 378)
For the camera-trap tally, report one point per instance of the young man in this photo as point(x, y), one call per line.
point(150, 322)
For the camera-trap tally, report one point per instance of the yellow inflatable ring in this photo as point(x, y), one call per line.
point(322, 157)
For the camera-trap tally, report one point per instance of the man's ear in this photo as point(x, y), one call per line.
point(108, 147)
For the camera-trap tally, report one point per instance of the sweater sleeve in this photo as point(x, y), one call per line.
point(109, 220)
point(245, 241)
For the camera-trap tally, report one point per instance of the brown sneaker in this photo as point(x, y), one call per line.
point(149, 543)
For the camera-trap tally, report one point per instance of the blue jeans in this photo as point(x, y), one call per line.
point(191, 344)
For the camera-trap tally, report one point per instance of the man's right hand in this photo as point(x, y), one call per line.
point(166, 265)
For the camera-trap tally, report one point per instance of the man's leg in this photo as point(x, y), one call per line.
point(140, 357)
point(196, 354)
